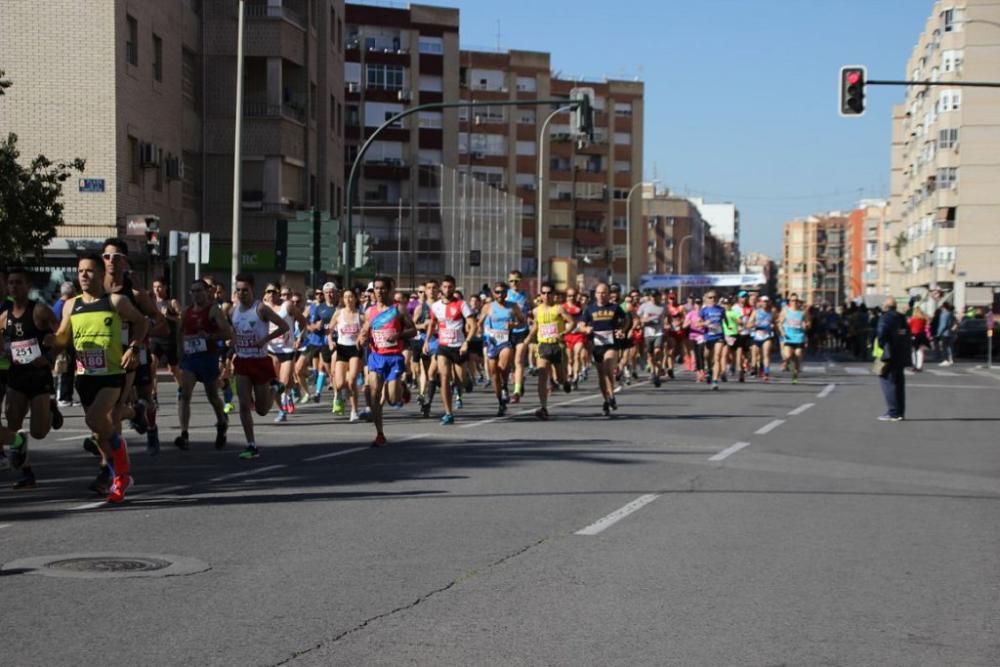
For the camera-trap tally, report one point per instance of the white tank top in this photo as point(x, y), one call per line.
point(285, 344)
point(347, 331)
point(248, 328)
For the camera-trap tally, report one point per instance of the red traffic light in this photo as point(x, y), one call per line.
point(853, 77)
point(852, 90)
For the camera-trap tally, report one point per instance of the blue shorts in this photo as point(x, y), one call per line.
point(493, 348)
point(203, 365)
point(387, 366)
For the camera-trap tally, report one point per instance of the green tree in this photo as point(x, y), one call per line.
point(31, 209)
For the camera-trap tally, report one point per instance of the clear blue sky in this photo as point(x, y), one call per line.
point(710, 67)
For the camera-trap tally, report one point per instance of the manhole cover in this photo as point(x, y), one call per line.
point(107, 565)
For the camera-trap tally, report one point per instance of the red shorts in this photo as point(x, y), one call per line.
point(260, 370)
point(573, 339)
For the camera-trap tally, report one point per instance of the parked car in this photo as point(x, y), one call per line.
point(971, 339)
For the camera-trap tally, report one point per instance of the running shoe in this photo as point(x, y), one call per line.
point(19, 452)
point(421, 399)
point(567, 387)
point(228, 408)
point(606, 408)
point(458, 402)
point(657, 381)
point(4, 461)
point(116, 492)
point(305, 398)
point(715, 385)
point(153, 441)
point(576, 383)
point(670, 373)
point(504, 396)
point(251, 452)
point(613, 402)
point(743, 376)
point(26, 482)
point(281, 418)
point(501, 409)
point(338, 407)
point(220, 434)
point(542, 414)
point(795, 379)
point(447, 419)
point(365, 414)
point(354, 417)
point(425, 410)
point(379, 440)
point(57, 417)
point(290, 406)
point(515, 398)
point(138, 421)
point(181, 441)
point(102, 482)
point(90, 445)
point(889, 418)
point(65, 404)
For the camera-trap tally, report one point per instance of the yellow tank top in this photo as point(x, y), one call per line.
point(550, 323)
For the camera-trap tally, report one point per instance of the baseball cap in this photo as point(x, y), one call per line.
point(741, 293)
point(327, 286)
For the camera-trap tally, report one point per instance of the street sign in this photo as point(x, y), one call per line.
point(91, 185)
point(298, 242)
point(199, 247)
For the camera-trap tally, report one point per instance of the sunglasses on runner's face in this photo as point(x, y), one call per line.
point(546, 291)
point(113, 255)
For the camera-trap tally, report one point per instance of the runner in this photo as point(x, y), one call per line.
point(518, 336)
point(428, 356)
point(696, 340)
point(762, 323)
point(651, 316)
point(344, 329)
point(677, 338)
point(282, 348)
point(23, 327)
point(792, 326)
point(204, 329)
point(163, 349)
point(94, 326)
point(317, 344)
point(746, 306)
point(576, 350)
point(385, 331)
point(730, 333)
point(256, 381)
point(452, 318)
point(496, 321)
point(712, 317)
point(606, 324)
point(550, 323)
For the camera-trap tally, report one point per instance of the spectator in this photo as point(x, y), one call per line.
point(65, 365)
point(893, 338)
point(945, 334)
point(918, 337)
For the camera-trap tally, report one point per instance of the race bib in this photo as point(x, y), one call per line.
point(604, 337)
point(350, 330)
point(380, 337)
point(499, 336)
point(195, 344)
point(714, 328)
point(91, 362)
point(761, 334)
point(23, 352)
point(549, 330)
point(448, 337)
point(246, 342)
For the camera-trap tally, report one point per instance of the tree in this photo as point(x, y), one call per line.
point(30, 198)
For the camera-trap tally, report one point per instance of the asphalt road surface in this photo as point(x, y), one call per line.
point(759, 525)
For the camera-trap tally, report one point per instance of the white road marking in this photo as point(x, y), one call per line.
point(343, 452)
point(729, 451)
point(854, 370)
point(5, 525)
point(985, 374)
point(977, 387)
point(948, 374)
point(799, 410)
point(526, 411)
point(89, 506)
point(826, 390)
point(813, 368)
point(767, 428)
point(602, 524)
point(245, 473)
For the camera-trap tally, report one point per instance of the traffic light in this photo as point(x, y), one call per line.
point(852, 90)
point(362, 249)
point(152, 236)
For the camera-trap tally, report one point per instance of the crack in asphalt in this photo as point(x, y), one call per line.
point(406, 607)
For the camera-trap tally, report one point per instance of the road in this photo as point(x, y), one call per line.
point(761, 525)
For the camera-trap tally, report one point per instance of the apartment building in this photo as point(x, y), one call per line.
point(758, 262)
point(397, 58)
point(145, 92)
point(863, 251)
point(676, 237)
point(942, 230)
point(724, 219)
point(813, 259)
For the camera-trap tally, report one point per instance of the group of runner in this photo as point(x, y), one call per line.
point(275, 349)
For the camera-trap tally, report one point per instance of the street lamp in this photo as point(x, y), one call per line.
point(680, 264)
point(237, 157)
point(628, 231)
point(541, 198)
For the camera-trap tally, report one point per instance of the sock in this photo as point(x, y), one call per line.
point(431, 388)
point(518, 388)
point(119, 454)
point(227, 393)
point(320, 381)
point(18, 440)
point(251, 445)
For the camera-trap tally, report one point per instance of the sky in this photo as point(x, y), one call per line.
point(741, 95)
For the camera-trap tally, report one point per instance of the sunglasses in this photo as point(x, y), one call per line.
point(498, 292)
point(113, 255)
point(270, 291)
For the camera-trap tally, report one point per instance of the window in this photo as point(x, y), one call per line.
point(952, 19)
point(430, 119)
point(431, 84)
point(132, 43)
point(190, 79)
point(352, 73)
point(622, 166)
point(491, 115)
point(620, 222)
point(527, 84)
point(623, 109)
point(157, 57)
point(494, 177)
point(386, 77)
point(158, 182)
point(390, 114)
point(353, 116)
point(526, 116)
point(948, 138)
point(525, 147)
point(951, 60)
point(949, 100)
point(947, 178)
point(133, 154)
point(431, 45)
point(526, 181)
point(623, 138)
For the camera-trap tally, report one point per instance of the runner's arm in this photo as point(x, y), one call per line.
point(61, 338)
point(409, 329)
point(266, 313)
point(222, 322)
point(138, 327)
point(148, 308)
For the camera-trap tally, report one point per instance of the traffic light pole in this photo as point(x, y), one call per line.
point(950, 84)
point(435, 106)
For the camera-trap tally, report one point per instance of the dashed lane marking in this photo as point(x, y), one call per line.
point(770, 426)
point(729, 451)
point(799, 410)
point(330, 455)
point(827, 390)
point(603, 524)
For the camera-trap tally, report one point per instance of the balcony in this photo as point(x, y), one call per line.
point(263, 9)
point(289, 110)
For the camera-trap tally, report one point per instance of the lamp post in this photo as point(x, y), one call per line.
point(628, 231)
point(237, 158)
point(541, 199)
point(680, 264)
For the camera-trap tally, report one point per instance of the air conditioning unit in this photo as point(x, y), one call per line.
point(353, 87)
point(175, 168)
point(149, 154)
point(404, 95)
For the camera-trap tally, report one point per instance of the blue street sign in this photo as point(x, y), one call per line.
point(91, 185)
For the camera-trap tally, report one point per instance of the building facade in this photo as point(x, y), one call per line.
point(676, 236)
point(757, 262)
point(942, 230)
point(863, 251)
point(813, 263)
